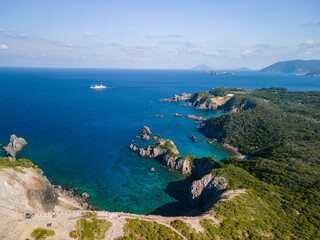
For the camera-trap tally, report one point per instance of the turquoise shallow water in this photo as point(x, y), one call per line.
point(80, 137)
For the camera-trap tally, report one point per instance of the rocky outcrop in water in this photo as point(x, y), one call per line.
point(204, 192)
point(145, 133)
point(15, 145)
point(219, 73)
point(200, 118)
point(194, 138)
point(177, 98)
point(167, 152)
point(133, 147)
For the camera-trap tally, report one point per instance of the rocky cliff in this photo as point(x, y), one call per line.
point(204, 192)
point(167, 152)
point(27, 190)
point(177, 98)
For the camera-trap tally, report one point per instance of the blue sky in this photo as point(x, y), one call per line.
point(165, 34)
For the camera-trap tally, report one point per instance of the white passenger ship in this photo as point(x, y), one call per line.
point(98, 86)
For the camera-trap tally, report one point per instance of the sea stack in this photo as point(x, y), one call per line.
point(15, 145)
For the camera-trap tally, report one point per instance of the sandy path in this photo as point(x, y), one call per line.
point(14, 226)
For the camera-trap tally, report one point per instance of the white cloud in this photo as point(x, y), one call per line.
point(308, 52)
point(68, 45)
point(211, 54)
point(90, 34)
point(246, 52)
point(16, 35)
point(3, 46)
point(173, 36)
point(309, 42)
point(1, 30)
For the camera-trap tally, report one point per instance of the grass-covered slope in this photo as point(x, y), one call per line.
point(18, 165)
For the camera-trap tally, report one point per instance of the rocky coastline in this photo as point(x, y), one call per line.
point(41, 194)
point(177, 98)
point(216, 137)
point(204, 190)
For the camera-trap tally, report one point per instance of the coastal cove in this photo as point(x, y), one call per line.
point(80, 137)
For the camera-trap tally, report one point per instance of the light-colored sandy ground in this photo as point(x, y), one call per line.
point(15, 226)
point(15, 203)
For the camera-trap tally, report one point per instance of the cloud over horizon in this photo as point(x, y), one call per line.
point(3, 46)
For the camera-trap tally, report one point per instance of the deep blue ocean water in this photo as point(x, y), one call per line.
point(80, 137)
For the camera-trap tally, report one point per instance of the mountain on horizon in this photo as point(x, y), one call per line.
point(294, 67)
point(202, 67)
point(243, 69)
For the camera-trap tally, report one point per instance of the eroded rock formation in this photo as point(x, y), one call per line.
point(204, 192)
point(15, 145)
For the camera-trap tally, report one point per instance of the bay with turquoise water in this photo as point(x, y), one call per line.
point(80, 137)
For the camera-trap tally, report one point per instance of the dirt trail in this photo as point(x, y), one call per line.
point(15, 226)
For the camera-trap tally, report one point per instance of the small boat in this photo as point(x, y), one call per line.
point(98, 86)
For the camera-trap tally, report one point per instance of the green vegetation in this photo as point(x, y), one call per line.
point(89, 214)
point(201, 97)
point(140, 229)
point(168, 147)
point(280, 132)
point(41, 233)
point(187, 231)
point(222, 92)
point(18, 165)
point(90, 228)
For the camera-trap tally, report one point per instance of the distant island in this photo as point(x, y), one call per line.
point(298, 67)
point(202, 67)
point(313, 74)
point(219, 73)
point(210, 70)
point(243, 69)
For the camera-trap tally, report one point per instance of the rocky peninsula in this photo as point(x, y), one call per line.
point(177, 98)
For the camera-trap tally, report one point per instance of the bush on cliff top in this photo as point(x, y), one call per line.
point(139, 229)
point(90, 229)
point(42, 234)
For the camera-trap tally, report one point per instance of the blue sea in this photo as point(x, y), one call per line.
point(80, 137)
